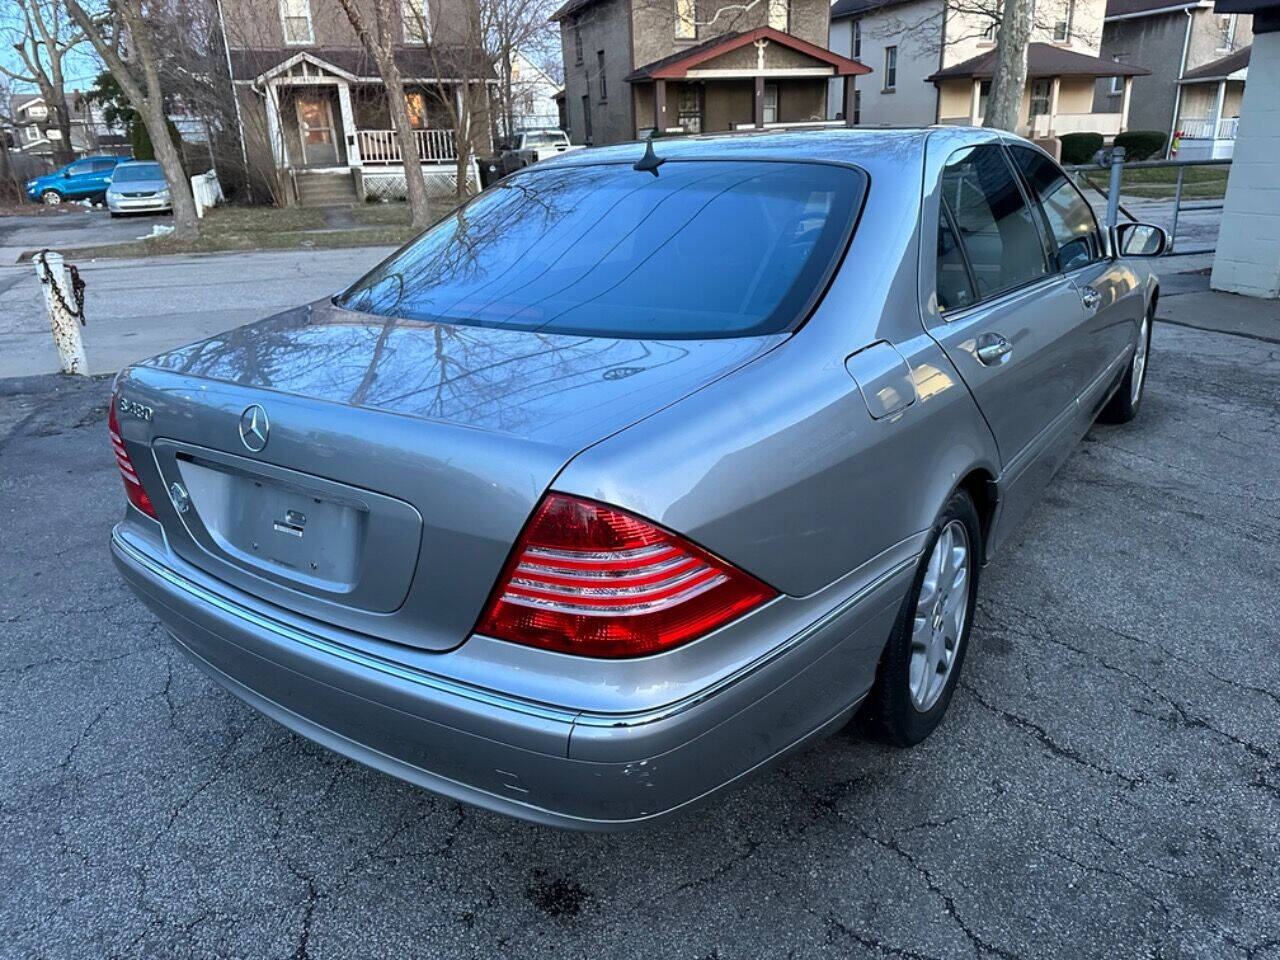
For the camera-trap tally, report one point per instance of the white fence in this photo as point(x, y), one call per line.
point(382, 146)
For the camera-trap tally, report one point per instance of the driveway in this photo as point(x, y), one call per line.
point(77, 227)
point(1107, 783)
point(137, 308)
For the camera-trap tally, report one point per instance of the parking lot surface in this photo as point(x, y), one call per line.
point(1107, 783)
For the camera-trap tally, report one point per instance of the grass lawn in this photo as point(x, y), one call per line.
point(273, 228)
point(1161, 182)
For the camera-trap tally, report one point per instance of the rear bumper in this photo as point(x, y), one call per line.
point(535, 761)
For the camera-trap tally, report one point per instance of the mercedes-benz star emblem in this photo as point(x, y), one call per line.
point(254, 428)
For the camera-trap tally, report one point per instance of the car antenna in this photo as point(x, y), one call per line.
point(650, 161)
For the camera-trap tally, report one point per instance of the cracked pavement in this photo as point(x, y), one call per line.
point(1107, 783)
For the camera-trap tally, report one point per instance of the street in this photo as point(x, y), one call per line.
point(137, 308)
point(1107, 783)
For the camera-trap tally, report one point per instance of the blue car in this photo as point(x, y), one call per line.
point(86, 177)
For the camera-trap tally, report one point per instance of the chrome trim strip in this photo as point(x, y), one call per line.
point(328, 648)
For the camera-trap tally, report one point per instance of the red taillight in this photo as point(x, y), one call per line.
point(132, 485)
point(589, 579)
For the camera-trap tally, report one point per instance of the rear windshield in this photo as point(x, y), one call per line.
point(707, 248)
point(137, 171)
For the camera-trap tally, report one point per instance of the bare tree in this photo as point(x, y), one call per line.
point(1010, 74)
point(379, 40)
point(139, 78)
point(42, 35)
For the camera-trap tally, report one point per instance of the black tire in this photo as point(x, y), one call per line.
point(889, 713)
point(1123, 406)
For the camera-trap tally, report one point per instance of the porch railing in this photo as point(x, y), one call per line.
point(1043, 125)
point(382, 146)
point(1204, 128)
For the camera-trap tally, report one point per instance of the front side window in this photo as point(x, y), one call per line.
point(417, 22)
point(780, 14)
point(996, 229)
point(295, 17)
point(1077, 241)
point(706, 249)
point(686, 20)
point(890, 68)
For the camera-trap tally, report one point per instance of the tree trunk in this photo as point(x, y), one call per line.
point(415, 184)
point(1010, 78)
point(65, 151)
point(186, 225)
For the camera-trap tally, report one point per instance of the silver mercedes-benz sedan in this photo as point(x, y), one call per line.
point(641, 469)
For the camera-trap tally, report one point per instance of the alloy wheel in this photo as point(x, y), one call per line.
point(52, 198)
point(1140, 362)
point(940, 617)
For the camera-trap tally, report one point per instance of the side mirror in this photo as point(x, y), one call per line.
point(1138, 240)
point(66, 174)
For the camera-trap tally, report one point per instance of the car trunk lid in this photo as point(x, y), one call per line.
point(398, 461)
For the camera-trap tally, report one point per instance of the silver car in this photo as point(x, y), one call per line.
point(643, 468)
point(138, 186)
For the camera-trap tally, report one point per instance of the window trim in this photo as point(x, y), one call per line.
point(855, 42)
point(577, 42)
point(1067, 24)
point(285, 17)
point(890, 75)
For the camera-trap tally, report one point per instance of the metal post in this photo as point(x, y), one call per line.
point(64, 318)
point(1177, 206)
point(1113, 191)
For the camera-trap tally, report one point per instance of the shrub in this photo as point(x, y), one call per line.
point(1080, 147)
point(1140, 144)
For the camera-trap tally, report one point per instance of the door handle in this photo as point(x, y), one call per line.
point(993, 348)
point(1090, 297)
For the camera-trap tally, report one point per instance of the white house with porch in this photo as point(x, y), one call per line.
point(323, 114)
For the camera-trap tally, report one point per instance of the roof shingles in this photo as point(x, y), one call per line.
point(1043, 60)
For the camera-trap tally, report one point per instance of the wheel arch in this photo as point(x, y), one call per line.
point(981, 486)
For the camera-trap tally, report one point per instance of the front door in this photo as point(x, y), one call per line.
point(315, 129)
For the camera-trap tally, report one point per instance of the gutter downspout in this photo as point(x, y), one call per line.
point(1182, 70)
point(235, 102)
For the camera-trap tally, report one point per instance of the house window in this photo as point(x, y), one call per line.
point(771, 103)
point(984, 93)
point(857, 107)
point(780, 14)
point(690, 108)
point(417, 22)
point(604, 92)
point(1117, 83)
point(1040, 92)
point(686, 19)
point(586, 117)
point(856, 49)
point(37, 111)
point(890, 69)
point(1062, 28)
point(295, 17)
point(31, 134)
point(577, 42)
point(992, 32)
point(1227, 27)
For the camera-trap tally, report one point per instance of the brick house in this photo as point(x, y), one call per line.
point(311, 99)
point(696, 66)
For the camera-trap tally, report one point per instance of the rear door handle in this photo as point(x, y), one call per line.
point(1090, 297)
point(993, 348)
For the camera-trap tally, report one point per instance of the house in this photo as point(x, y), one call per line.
point(533, 95)
point(36, 132)
point(936, 58)
point(311, 100)
point(634, 68)
point(1198, 61)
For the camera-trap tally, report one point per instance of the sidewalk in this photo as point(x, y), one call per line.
point(1187, 301)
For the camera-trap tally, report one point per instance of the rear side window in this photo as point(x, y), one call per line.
point(1068, 216)
point(999, 236)
point(705, 249)
point(102, 166)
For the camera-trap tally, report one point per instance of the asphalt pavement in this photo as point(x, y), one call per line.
point(1107, 783)
point(139, 307)
point(76, 226)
